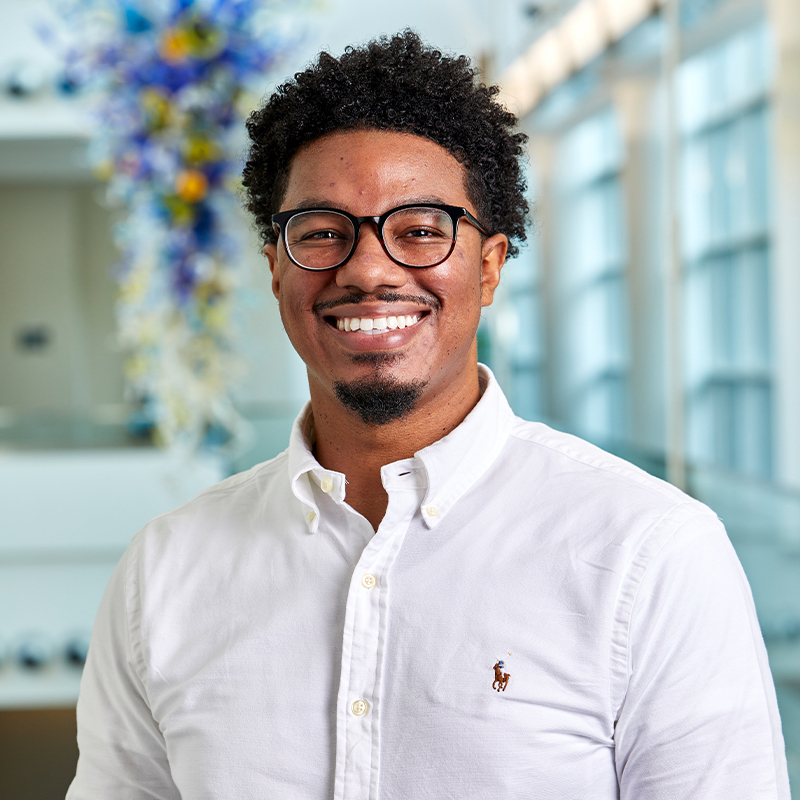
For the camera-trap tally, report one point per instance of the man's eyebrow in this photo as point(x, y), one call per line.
point(312, 203)
point(434, 199)
point(320, 203)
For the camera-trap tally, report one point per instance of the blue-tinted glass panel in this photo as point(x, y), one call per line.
point(726, 246)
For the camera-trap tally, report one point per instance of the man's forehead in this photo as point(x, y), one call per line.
point(359, 139)
point(369, 162)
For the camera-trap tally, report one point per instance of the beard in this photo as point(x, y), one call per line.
point(379, 399)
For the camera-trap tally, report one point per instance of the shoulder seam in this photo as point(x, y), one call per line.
point(131, 580)
point(622, 469)
point(685, 512)
point(255, 473)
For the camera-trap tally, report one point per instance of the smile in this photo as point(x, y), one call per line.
point(376, 325)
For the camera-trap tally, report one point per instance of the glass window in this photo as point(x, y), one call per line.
point(724, 116)
point(592, 261)
point(516, 326)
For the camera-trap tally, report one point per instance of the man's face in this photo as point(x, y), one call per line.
point(367, 173)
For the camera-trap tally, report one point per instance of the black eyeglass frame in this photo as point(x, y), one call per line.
point(456, 213)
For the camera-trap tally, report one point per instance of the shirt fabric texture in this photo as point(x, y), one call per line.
point(262, 641)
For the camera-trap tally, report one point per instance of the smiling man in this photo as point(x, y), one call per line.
point(384, 311)
point(424, 596)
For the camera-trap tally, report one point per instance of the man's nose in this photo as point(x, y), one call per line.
point(369, 267)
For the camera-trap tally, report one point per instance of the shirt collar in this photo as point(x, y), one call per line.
point(456, 461)
point(304, 469)
point(452, 465)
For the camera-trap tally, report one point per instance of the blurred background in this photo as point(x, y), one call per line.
point(655, 310)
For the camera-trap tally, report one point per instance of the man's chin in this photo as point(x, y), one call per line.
point(378, 399)
point(375, 359)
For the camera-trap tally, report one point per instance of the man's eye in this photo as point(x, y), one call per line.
point(321, 235)
point(421, 233)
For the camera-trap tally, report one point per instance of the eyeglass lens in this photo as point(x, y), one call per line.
point(416, 237)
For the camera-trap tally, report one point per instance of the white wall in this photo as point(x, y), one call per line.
point(54, 272)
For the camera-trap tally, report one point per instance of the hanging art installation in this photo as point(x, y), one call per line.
point(170, 80)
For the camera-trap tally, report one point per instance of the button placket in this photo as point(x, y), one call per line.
point(358, 727)
point(364, 665)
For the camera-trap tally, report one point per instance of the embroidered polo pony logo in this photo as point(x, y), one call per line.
point(500, 677)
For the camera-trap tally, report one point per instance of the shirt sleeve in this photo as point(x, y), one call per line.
point(699, 717)
point(122, 751)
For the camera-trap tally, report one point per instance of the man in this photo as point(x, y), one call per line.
point(424, 596)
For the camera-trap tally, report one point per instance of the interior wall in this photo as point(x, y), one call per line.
point(96, 256)
point(56, 267)
point(275, 376)
point(57, 349)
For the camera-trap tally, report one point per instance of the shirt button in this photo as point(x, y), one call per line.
point(326, 484)
point(369, 581)
point(432, 511)
point(311, 516)
point(360, 707)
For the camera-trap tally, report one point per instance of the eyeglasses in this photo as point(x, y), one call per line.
point(418, 236)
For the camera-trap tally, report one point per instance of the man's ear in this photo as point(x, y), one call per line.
point(271, 252)
point(493, 256)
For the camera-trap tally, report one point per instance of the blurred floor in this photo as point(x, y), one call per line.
point(38, 753)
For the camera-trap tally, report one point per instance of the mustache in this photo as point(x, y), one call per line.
point(353, 298)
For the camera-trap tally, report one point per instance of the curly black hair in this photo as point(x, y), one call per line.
point(399, 84)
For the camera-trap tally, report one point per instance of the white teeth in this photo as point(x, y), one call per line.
point(379, 325)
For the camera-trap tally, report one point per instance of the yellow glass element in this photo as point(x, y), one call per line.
point(191, 186)
point(180, 211)
point(204, 41)
point(157, 109)
point(200, 150)
point(176, 46)
point(104, 170)
point(135, 367)
point(216, 317)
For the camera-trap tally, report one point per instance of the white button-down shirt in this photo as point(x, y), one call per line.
point(533, 619)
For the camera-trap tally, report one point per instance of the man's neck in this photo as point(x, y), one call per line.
point(344, 443)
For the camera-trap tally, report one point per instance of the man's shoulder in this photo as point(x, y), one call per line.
point(189, 557)
point(587, 464)
point(225, 506)
point(588, 500)
point(256, 479)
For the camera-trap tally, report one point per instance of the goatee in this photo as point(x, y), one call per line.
point(379, 400)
